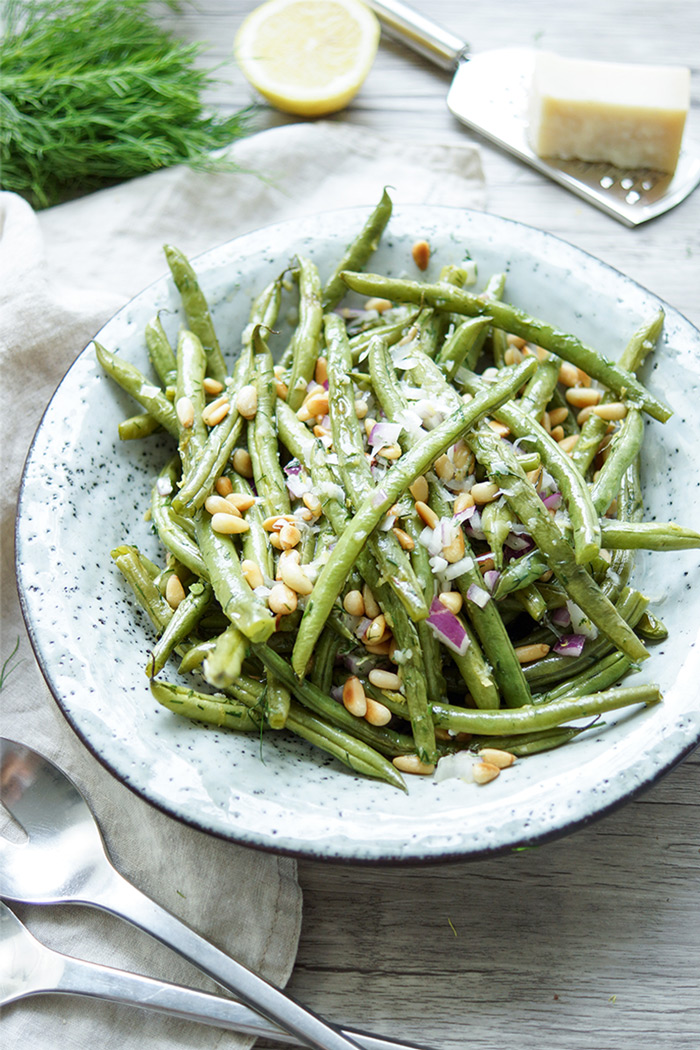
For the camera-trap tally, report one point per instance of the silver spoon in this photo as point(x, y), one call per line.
point(64, 861)
point(28, 967)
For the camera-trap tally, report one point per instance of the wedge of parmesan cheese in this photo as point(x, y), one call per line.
point(631, 116)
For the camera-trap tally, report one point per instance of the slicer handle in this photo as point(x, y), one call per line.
point(421, 34)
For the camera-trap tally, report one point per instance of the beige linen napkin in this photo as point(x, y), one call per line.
point(63, 273)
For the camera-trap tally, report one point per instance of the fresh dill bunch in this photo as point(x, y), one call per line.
point(93, 92)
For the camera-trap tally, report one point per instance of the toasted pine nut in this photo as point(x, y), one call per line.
point(527, 653)
point(484, 492)
point(385, 679)
point(463, 502)
point(353, 603)
point(174, 591)
point(294, 576)
point(223, 486)
point(321, 432)
point(483, 772)
point(444, 467)
point(354, 699)
point(512, 356)
point(452, 600)
point(380, 305)
point(568, 443)
point(581, 396)
point(614, 410)
point(321, 370)
point(404, 539)
point(584, 378)
point(242, 463)
point(376, 629)
point(316, 404)
point(377, 714)
point(371, 607)
point(185, 412)
point(412, 764)
point(281, 389)
point(247, 401)
point(516, 341)
point(421, 254)
point(252, 573)
point(382, 648)
point(282, 599)
point(558, 433)
point(215, 411)
point(546, 422)
point(462, 456)
point(568, 374)
point(212, 386)
point(419, 489)
point(369, 425)
point(558, 415)
point(499, 428)
point(220, 505)
point(390, 452)
point(275, 541)
point(497, 757)
point(228, 524)
point(311, 500)
point(454, 551)
point(535, 476)
point(289, 536)
point(427, 514)
point(242, 501)
point(360, 409)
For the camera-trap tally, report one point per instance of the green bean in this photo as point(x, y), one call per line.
point(542, 716)
point(642, 342)
point(532, 601)
point(602, 675)
point(324, 659)
point(538, 392)
point(218, 711)
point(590, 436)
point(651, 628)
point(414, 462)
point(520, 573)
point(434, 678)
point(223, 663)
point(536, 743)
point(262, 442)
point(182, 623)
point(648, 535)
point(306, 340)
point(195, 655)
point(160, 352)
point(138, 426)
point(191, 365)
point(136, 571)
point(496, 525)
point(358, 252)
point(135, 383)
point(511, 319)
point(457, 346)
point(390, 332)
point(196, 309)
point(171, 534)
point(623, 450)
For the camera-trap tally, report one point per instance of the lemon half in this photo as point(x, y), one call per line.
point(308, 57)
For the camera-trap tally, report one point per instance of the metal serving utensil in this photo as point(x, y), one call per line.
point(28, 967)
point(64, 860)
point(489, 93)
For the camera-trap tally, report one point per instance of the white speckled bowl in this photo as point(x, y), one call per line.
point(84, 492)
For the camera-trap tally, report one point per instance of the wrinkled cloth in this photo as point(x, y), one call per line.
point(63, 273)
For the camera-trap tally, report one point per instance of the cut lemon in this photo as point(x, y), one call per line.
point(308, 57)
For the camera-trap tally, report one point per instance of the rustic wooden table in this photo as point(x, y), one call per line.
point(591, 942)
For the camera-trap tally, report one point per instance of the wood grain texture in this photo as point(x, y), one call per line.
point(591, 942)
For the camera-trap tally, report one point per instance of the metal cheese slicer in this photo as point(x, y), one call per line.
point(64, 860)
point(489, 93)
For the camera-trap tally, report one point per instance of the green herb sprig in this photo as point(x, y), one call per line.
point(93, 92)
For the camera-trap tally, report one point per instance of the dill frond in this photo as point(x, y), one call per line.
point(93, 92)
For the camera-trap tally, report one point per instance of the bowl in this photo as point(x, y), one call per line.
point(84, 492)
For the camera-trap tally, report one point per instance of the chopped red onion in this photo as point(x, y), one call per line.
point(448, 628)
point(570, 645)
point(491, 578)
point(553, 501)
point(384, 434)
point(478, 595)
point(466, 514)
point(561, 616)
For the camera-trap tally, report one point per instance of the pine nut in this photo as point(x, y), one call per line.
point(294, 576)
point(354, 699)
point(241, 501)
point(484, 492)
point(377, 714)
point(215, 411)
point(174, 591)
point(360, 409)
point(380, 305)
point(247, 401)
point(568, 443)
point(516, 340)
point(316, 404)
point(568, 374)
point(353, 603)
point(313, 503)
point(412, 764)
point(289, 536)
point(546, 422)
point(584, 378)
point(499, 428)
point(462, 456)
point(184, 410)
point(558, 433)
point(421, 254)
point(614, 410)
point(321, 371)
point(281, 389)
point(484, 772)
point(229, 524)
point(454, 551)
point(558, 415)
point(452, 600)
point(404, 539)
point(252, 573)
point(212, 386)
point(371, 606)
point(379, 648)
point(444, 467)
point(276, 522)
point(463, 502)
point(242, 463)
point(376, 629)
point(497, 757)
point(419, 489)
point(391, 452)
point(581, 396)
point(512, 356)
point(385, 680)
point(275, 541)
point(369, 425)
point(282, 600)
point(527, 653)
point(223, 486)
point(220, 505)
point(427, 514)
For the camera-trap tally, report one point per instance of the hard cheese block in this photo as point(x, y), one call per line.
point(631, 116)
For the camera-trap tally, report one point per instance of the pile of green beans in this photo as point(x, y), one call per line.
point(411, 534)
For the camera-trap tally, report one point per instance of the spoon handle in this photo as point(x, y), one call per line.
point(123, 899)
point(78, 977)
